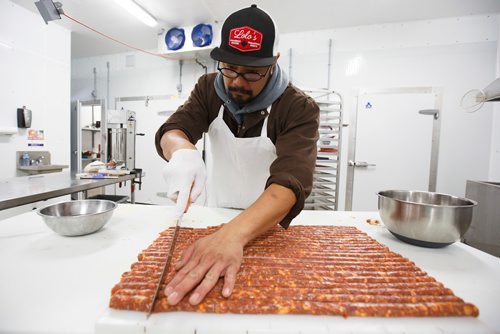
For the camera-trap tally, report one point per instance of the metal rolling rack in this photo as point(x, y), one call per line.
point(325, 191)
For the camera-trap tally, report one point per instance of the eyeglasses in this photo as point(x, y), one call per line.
point(248, 76)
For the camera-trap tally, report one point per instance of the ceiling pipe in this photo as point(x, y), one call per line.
point(107, 84)
point(179, 85)
point(94, 92)
point(329, 62)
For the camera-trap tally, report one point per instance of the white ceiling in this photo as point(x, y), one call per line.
point(290, 16)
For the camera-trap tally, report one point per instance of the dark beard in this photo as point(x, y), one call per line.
point(237, 98)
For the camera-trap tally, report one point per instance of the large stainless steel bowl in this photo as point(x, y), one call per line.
point(425, 218)
point(74, 218)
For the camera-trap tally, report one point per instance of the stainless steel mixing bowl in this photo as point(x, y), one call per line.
point(74, 218)
point(425, 218)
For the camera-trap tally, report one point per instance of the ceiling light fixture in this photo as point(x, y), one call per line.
point(5, 45)
point(354, 66)
point(133, 8)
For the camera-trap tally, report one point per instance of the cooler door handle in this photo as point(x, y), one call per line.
point(362, 164)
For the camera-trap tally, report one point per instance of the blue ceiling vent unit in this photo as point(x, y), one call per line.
point(202, 35)
point(175, 38)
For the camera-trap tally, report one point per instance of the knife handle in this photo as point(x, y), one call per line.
point(188, 203)
point(189, 199)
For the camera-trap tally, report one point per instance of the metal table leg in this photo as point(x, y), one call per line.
point(132, 192)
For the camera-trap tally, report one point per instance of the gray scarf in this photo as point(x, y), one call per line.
point(274, 88)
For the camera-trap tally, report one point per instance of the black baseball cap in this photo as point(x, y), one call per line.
point(249, 37)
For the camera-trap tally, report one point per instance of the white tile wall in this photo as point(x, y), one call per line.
point(35, 72)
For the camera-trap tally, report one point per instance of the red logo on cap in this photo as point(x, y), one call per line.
point(245, 39)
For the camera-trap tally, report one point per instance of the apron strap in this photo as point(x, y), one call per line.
point(263, 132)
point(221, 112)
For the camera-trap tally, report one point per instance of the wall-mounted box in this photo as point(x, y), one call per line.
point(24, 117)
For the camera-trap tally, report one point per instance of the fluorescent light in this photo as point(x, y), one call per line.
point(354, 66)
point(5, 45)
point(133, 8)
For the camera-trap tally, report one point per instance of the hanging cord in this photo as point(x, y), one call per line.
point(117, 41)
point(202, 65)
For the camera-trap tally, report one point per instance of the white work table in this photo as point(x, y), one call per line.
point(55, 284)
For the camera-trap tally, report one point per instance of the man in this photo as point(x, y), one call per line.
point(263, 133)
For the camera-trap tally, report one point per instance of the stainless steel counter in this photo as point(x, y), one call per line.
point(21, 190)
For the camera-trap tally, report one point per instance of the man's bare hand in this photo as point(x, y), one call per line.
point(216, 255)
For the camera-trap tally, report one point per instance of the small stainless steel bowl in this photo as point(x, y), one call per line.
point(74, 218)
point(425, 218)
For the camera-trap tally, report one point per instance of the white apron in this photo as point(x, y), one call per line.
point(238, 168)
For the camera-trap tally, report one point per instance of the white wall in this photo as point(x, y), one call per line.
point(457, 54)
point(34, 72)
point(148, 76)
point(494, 174)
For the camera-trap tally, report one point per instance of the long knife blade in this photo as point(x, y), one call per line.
point(169, 257)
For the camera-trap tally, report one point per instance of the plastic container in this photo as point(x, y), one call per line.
point(25, 159)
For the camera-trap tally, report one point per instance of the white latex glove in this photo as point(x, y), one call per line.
point(184, 174)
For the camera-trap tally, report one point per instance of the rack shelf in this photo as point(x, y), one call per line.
point(324, 195)
point(91, 129)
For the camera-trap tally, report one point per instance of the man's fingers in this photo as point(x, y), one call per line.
point(202, 265)
point(189, 281)
point(208, 282)
point(184, 270)
point(229, 280)
point(185, 257)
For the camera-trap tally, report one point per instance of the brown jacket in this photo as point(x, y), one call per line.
point(292, 127)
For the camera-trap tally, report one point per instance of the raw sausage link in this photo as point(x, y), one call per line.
point(322, 270)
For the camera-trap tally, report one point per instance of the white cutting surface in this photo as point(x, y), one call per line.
point(55, 284)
